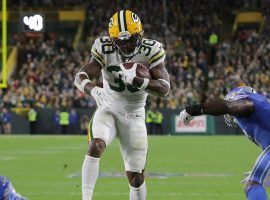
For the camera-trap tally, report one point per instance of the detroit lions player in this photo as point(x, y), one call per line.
point(251, 111)
point(7, 192)
point(122, 99)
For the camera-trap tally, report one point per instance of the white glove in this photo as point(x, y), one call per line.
point(100, 97)
point(246, 175)
point(185, 117)
point(127, 75)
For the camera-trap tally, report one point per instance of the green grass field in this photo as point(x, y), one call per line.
point(196, 167)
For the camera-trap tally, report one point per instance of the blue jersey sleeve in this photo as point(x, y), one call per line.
point(236, 95)
point(239, 94)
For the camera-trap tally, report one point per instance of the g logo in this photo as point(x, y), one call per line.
point(135, 18)
point(111, 23)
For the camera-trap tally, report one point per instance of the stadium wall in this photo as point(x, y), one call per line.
point(45, 123)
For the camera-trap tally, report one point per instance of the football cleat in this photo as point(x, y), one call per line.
point(125, 31)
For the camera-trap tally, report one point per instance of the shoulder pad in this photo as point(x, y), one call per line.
point(101, 48)
point(153, 50)
point(235, 95)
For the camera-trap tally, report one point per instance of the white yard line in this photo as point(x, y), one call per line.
point(157, 175)
point(127, 194)
point(7, 158)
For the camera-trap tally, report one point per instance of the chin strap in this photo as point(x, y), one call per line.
point(125, 57)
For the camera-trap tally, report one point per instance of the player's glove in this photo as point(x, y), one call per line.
point(185, 117)
point(230, 120)
point(246, 174)
point(127, 75)
point(100, 97)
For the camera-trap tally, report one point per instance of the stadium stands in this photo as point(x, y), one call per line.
point(198, 69)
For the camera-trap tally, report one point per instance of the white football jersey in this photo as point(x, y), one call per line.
point(121, 96)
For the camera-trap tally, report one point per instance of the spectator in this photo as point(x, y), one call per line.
point(64, 121)
point(1, 122)
point(84, 122)
point(149, 120)
point(73, 121)
point(47, 65)
point(56, 122)
point(158, 121)
point(6, 120)
point(32, 118)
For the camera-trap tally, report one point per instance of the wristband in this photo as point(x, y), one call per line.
point(195, 109)
point(84, 82)
point(164, 81)
point(145, 84)
point(84, 73)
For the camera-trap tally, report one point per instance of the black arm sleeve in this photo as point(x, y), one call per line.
point(239, 108)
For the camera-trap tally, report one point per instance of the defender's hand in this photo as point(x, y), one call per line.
point(185, 117)
point(246, 175)
point(100, 97)
point(127, 75)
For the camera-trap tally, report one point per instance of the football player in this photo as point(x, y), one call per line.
point(7, 191)
point(122, 99)
point(251, 111)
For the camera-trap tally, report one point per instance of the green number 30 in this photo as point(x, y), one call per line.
point(118, 85)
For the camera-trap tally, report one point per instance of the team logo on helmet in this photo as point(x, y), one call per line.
point(135, 18)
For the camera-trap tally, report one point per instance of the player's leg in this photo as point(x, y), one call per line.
point(255, 191)
point(133, 140)
point(137, 185)
point(101, 133)
point(259, 178)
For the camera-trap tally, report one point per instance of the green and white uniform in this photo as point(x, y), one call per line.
point(125, 118)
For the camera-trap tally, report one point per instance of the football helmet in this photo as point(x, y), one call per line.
point(125, 31)
point(233, 95)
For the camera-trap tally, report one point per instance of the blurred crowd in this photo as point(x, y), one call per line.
point(203, 64)
point(46, 74)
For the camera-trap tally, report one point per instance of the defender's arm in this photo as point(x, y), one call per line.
point(239, 108)
point(83, 78)
point(159, 85)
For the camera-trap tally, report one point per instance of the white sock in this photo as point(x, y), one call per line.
point(138, 193)
point(90, 170)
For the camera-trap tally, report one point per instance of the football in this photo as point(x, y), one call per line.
point(141, 70)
